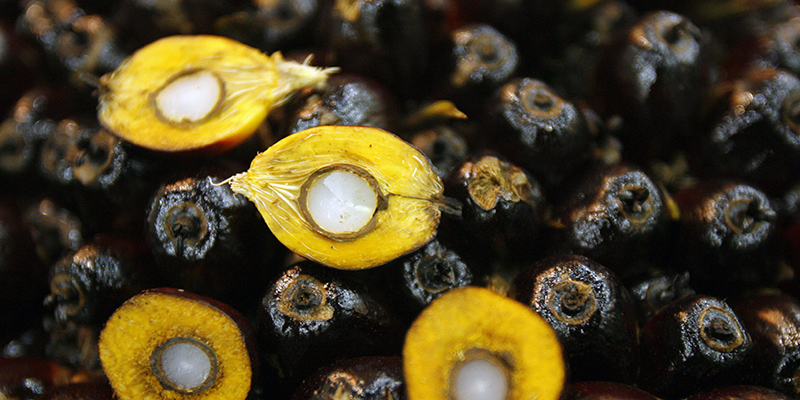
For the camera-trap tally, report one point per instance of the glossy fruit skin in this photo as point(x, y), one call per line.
point(600, 390)
point(772, 318)
point(502, 208)
point(727, 236)
point(346, 99)
point(695, 343)
point(583, 36)
point(272, 26)
point(476, 60)
point(387, 40)
point(445, 144)
point(55, 230)
point(28, 124)
point(655, 77)
point(651, 294)
point(311, 316)
point(592, 312)
point(414, 280)
point(74, 42)
point(616, 215)
point(535, 128)
point(209, 240)
point(365, 378)
point(741, 392)
point(89, 284)
point(748, 131)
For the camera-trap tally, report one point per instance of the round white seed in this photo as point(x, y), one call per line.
point(189, 98)
point(479, 379)
point(341, 202)
point(185, 365)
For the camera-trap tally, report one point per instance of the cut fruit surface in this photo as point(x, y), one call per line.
point(198, 92)
point(345, 196)
point(170, 344)
point(473, 343)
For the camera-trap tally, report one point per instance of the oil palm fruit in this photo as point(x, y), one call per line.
point(472, 343)
point(194, 92)
point(170, 344)
point(348, 197)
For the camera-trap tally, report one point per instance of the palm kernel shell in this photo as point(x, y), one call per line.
point(477, 318)
point(402, 172)
point(127, 107)
point(146, 320)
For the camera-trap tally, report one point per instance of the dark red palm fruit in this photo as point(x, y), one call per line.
point(502, 210)
point(773, 320)
point(346, 99)
point(653, 293)
point(741, 392)
point(80, 391)
point(105, 180)
point(312, 315)
point(138, 22)
point(27, 378)
point(23, 130)
point(583, 36)
point(616, 215)
point(445, 144)
point(599, 390)
point(19, 59)
point(530, 24)
point(272, 25)
point(734, 22)
point(99, 161)
point(416, 279)
point(87, 285)
point(209, 240)
point(76, 44)
point(55, 230)
point(778, 46)
point(23, 277)
point(750, 129)
point(693, 344)
point(727, 236)
point(388, 40)
point(365, 378)
point(29, 342)
point(654, 77)
point(535, 128)
point(474, 61)
point(590, 310)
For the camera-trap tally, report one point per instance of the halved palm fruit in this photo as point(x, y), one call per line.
point(472, 343)
point(348, 197)
point(197, 91)
point(170, 344)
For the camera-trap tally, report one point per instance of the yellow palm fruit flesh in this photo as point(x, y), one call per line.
point(194, 92)
point(171, 344)
point(473, 343)
point(348, 197)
